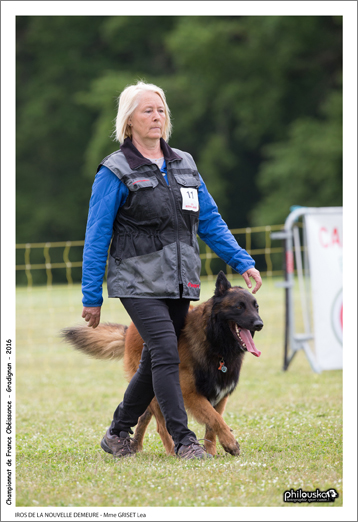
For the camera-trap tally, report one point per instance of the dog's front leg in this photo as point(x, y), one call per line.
point(204, 413)
point(210, 435)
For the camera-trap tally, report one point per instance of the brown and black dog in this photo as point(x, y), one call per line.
point(212, 344)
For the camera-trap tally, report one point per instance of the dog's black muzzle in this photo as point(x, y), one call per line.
point(258, 325)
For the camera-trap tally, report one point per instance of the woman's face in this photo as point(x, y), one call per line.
point(148, 119)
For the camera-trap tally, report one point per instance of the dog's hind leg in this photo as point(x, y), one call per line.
point(167, 440)
point(210, 435)
point(143, 421)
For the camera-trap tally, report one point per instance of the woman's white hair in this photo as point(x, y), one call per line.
point(128, 102)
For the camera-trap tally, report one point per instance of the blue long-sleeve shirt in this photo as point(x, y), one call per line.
point(109, 193)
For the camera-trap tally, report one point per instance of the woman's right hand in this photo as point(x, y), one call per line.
point(92, 314)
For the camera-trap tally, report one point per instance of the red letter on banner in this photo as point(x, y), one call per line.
point(335, 237)
point(322, 231)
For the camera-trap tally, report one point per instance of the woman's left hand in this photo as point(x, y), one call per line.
point(255, 274)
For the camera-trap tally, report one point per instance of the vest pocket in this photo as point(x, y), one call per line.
point(149, 275)
point(187, 180)
point(142, 200)
point(142, 182)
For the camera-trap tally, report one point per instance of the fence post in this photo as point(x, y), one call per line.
point(48, 263)
point(28, 264)
point(68, 262)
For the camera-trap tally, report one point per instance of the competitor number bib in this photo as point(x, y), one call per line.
point(190, 199)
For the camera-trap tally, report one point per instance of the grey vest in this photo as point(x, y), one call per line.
point(154, 246)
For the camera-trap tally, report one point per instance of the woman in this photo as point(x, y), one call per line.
point(151, 201)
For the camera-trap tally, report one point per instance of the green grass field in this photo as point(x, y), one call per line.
point(288, 424)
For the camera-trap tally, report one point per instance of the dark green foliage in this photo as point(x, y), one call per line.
point(256, 100)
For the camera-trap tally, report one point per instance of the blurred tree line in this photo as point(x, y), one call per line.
point(256, 100)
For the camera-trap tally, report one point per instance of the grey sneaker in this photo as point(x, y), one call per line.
point(118, 446)
point(195, 450)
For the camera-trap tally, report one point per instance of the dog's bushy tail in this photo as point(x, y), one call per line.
point(104, 342)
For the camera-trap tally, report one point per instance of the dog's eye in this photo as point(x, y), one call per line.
point(241, 306)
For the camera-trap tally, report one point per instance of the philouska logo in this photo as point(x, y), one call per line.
point(310, 496)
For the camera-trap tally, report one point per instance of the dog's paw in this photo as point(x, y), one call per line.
point(231, 447)
point(136, 446)
point(235, 450)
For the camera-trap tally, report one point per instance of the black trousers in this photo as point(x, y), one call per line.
point(159, 322)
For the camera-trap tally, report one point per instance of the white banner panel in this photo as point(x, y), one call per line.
point(325, 250)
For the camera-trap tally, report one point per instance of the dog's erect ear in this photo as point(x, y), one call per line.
point(222, 284)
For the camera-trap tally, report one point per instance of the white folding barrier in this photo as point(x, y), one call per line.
point(318, 257)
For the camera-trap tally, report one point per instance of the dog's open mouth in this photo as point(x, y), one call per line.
point(245, 340)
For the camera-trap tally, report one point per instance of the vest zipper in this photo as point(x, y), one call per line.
point(176, 228)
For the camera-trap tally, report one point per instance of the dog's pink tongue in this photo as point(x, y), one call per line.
point(246, 337)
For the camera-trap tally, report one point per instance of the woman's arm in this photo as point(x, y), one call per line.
point(215, 233)
point(108, 195)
